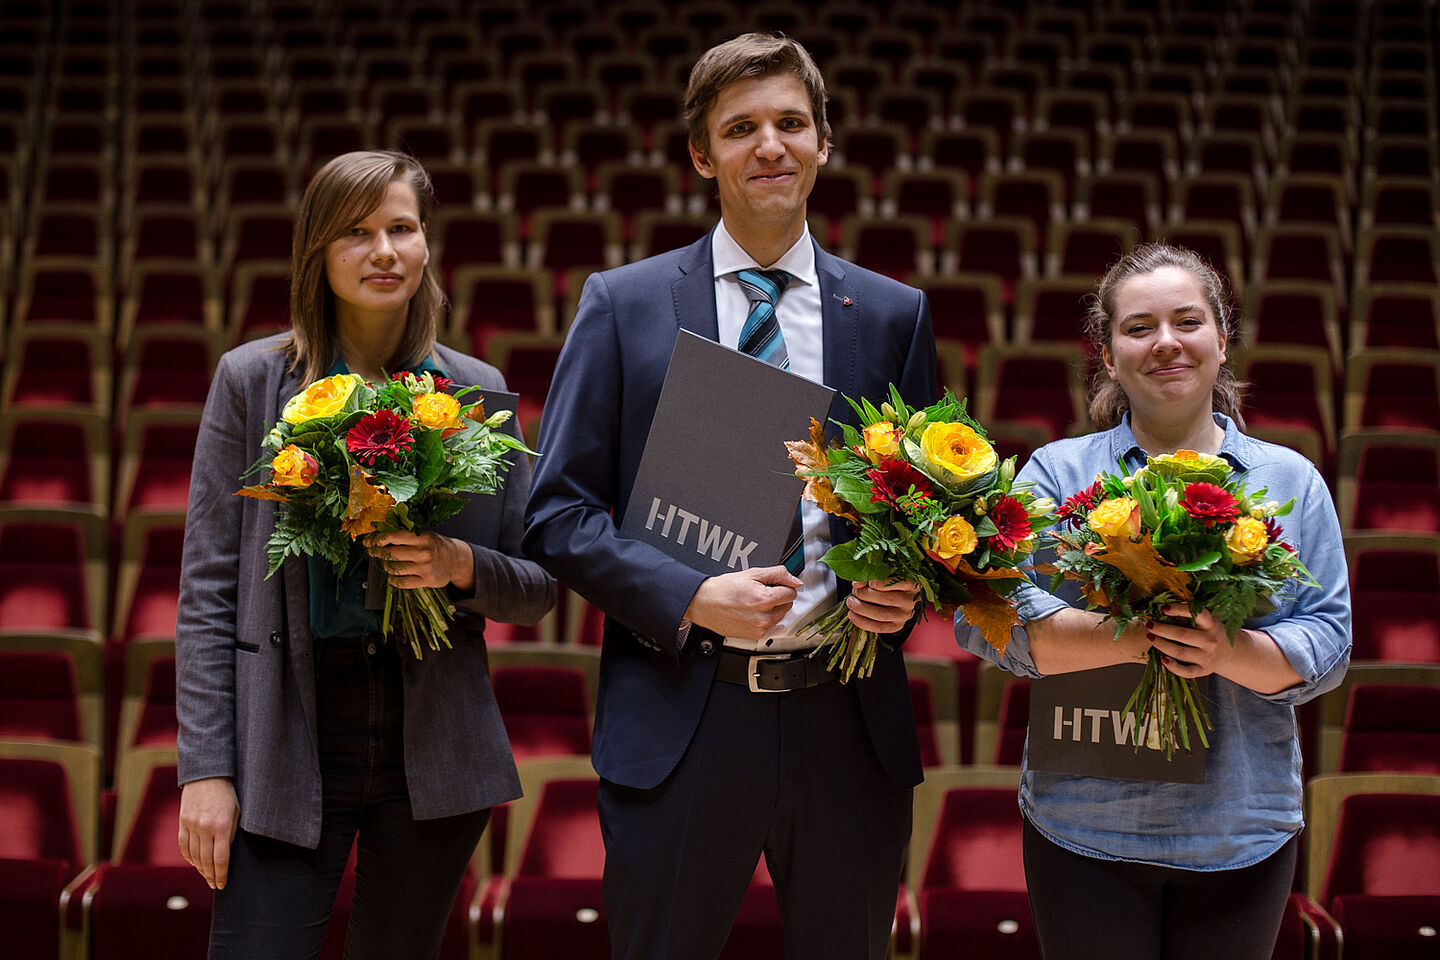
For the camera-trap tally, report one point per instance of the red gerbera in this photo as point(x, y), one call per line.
point(1012, 523)
point(382, 433)
point(1209, 504)
point(892, 478)
point(1069, 511)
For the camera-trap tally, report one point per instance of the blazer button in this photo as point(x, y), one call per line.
point(707, 648)
point(275, 640)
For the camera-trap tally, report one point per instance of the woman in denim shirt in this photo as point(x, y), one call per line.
point(1147, 869)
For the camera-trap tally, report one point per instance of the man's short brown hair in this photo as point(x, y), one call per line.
point(750, 55)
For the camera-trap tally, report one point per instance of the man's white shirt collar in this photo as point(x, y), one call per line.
point(798, 261)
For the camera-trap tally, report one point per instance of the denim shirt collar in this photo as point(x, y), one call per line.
point(1236, 447)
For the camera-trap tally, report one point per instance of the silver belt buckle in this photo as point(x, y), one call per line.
point(754, 672)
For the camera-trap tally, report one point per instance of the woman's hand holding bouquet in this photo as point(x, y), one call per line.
point(350, 460)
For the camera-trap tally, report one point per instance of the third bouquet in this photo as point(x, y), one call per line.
point(1181, 529)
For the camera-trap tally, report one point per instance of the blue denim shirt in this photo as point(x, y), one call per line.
point(1250, 802)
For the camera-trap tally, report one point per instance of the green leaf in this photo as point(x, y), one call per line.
point(857, 494)
point(1199, 563)
point(429, 458)
point(401, 486)
point(844, 560)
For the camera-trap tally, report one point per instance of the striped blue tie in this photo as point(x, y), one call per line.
point(761, 338)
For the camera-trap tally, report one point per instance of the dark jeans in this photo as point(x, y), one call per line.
point(1086, 908)
point(279, 895)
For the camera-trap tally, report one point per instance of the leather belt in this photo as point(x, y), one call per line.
point(773, 672)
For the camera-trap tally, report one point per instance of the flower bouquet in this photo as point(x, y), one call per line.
point(931, 504)
point(350, 458)
point(1182, 528)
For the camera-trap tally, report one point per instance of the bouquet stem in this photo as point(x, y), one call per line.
point(852, 650)
point(423, 613)
point(1168, 706)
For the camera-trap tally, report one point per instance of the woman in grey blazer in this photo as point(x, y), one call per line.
point(301, 729)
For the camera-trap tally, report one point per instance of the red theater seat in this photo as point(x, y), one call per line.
point(1394, 580)
point(966, 866)
point(47, 834)
point(1373, 855)
point(546, 709)
point(52, 570)
point(1392, 728)
point(144, 893)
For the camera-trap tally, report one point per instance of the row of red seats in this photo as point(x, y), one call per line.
point(76, 215)
point(533, 52)
point(1372, 858)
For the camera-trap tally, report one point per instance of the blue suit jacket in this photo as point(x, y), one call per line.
point(597, 418)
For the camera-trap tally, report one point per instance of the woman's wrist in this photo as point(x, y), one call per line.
point(1071, 639)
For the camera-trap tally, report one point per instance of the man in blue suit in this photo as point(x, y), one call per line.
point(716, 738)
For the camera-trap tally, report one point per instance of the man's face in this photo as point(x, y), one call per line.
point(763, 153)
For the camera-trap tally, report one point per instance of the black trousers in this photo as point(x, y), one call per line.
point(1091, 909)
point(790, 775)
point(279, 895)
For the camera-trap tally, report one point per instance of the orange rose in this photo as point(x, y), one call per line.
point(882, 439)
point(293, 467)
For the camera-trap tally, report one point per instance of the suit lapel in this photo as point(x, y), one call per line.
point(694, 291)
point(840, 311)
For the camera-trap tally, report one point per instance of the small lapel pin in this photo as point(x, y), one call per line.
point(846, 301)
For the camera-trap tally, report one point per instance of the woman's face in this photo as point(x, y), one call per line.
point(1166, 346)
point(377, 266)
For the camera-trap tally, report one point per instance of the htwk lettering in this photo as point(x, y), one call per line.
point(1122, 725)
point(711, 539)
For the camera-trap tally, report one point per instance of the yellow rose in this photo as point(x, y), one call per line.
point(956, 452)
point(437, 411)
point(955, 538)
point(293, 467)
point(323, 398)
point(1247, 541)
point(1116, 517)
point(882, 438)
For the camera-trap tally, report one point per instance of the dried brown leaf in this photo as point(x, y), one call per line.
point(262, 492)
point(991, 613)
point(820, 492)
point(966, 573)
point(1150, 573)
point(367, 506)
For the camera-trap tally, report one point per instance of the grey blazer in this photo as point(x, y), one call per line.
point(245, 691)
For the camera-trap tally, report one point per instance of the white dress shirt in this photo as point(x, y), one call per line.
point(799, 315)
